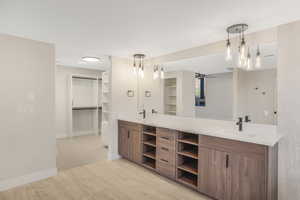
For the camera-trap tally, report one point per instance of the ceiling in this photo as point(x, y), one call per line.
point(214, 64)
point(124, 27)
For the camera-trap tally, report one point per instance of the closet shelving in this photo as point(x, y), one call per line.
point(85, 104)
point(187, 158)
point(149, 147)
point(170, 99)
point(106, 95)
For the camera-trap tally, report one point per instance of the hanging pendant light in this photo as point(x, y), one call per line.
point(162, 73)
point(243, 47)
point(258, 59)
point(155, 72)
point(239, 60)
point(242, 60)
point(138, 64)
point(228, 50)
point(249, 63)
point(134, 66)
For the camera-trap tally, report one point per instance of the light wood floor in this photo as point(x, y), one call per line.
point(111, 180)
point(78, 151)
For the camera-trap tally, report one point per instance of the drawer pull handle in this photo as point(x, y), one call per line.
point(166, 138)
point(165, 149)
point(164, 160)
point(227, 161)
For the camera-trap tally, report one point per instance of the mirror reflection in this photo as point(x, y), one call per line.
point(211, 87)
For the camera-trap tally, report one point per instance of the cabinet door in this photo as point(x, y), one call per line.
point(123, 142)
point(212, 172)
point(246, 177)
point(135, 146)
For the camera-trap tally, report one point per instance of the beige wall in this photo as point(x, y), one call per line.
point(288, 110)
point(27, 137)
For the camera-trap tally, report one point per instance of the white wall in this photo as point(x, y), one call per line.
point(27, 138)
point(251, 100)
point(122, 81)
point(218, 98)
point(62, 102)
point(186, 94)
point(288, 110)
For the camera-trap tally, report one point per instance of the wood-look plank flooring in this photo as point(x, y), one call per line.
point(109, 180)
point(80, 150)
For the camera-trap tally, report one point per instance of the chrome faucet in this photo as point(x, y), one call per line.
point(240, 123)
point(143, 113)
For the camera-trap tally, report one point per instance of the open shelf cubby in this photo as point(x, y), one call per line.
point(187, 178)
point(149, 140)
point(149, 162)
point(187, 158)
point(188, 138)
point(187, 164)
point(149, 130)
point(149, 147)
point(149, 151)
point(188, 150)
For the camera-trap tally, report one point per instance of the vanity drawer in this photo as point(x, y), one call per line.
point(166, 155)
point(166, 138)
point(166, 169)
point(232, 145)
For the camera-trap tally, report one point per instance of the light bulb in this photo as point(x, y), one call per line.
point(228, 51)
point(134, 70)
point(162, 73)
point(243, 49)
point(249, 64)
point(142, 73)
point(155, 75)
point(258, 62)
point(239, 62)
point(258, 59)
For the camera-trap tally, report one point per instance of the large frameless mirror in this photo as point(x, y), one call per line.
point(214, 88)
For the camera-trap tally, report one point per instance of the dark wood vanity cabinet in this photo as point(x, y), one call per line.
point(220, 168)
point(130, 141)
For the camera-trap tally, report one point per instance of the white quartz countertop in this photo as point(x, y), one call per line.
point(253, 133)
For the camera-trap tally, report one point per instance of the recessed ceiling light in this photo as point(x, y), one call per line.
point(90, 59)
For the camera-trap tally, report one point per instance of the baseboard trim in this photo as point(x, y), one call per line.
point(113, 156)
point(29, 178)
point(83, 133)
point(61, 136)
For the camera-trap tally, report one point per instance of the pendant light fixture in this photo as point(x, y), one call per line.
point(244, 59)
point(155, 72)
point(138, 64)
point(158, 72)
point(228, 50)
point(162, 73)
point(258, 59)
point(249, 63)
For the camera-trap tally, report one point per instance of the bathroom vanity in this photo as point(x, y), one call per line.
point(221, 168)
